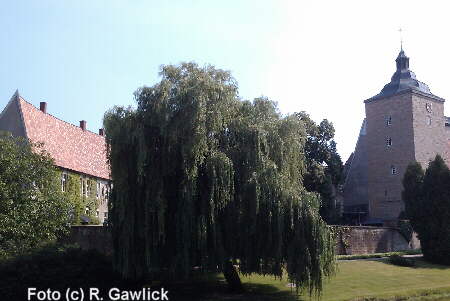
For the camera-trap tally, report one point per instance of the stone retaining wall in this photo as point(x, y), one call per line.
point(366, 240)
point(91, 237)
point(351, 240)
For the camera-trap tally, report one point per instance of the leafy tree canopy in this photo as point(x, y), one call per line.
point(32, 209)
point(202, 178)
point(324, 164)
point(427, 204)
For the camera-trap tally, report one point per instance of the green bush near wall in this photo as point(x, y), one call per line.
point(79, 202)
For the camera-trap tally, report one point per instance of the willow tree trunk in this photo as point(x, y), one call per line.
point(232, 277)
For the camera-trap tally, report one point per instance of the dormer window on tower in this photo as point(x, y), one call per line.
point(393, 170)
point(388, 141)
point(388, 120)
point(402, 61)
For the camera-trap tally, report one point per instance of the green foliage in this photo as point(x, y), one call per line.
point(404, 226)
point(57, 267)
point(324, 165)
point(32, 209)
point(427, 204)
point(201, 177)
point(342, 234)
point(378, 255)
point(78, 201)
point(397, 259)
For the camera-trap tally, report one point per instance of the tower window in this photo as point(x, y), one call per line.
point(388, 120)
point(428, 120)
point(389, 141)
point(393, 170)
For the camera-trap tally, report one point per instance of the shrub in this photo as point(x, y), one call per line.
point(57, 267)
point(401, 261)
point(33, 210)
point(427, 205)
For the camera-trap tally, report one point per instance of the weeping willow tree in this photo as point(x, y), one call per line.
point(204, 179)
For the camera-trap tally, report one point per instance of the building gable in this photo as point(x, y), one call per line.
point(72, 147)
point(11, 119)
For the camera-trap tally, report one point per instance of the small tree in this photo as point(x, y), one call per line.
point(324, 165)
point(32, 208)
point(427, 204)
point(202, 178)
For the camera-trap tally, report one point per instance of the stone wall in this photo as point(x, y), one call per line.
point(91, 237)
point(352, 240)
point(366, 240)
point(430, 138)
point(11, 121)
point(415, 132)
point(384, 187)
point(355, 186)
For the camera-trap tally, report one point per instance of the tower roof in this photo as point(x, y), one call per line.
point(403, 79)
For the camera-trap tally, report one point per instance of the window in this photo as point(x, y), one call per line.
point(388, 120)
point(88, 187)
point(98, 190)
point(86, 211)
point(393, 170)
point(428, 120)
point(84, 186)
point(64, 180)
point(105, 214)
point(389, 141)
point(97, 213)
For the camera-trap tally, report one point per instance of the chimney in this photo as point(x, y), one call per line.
point(43, 106)
point(83, 125)
point(101, 132)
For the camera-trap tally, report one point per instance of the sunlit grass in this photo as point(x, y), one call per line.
point(375, 278)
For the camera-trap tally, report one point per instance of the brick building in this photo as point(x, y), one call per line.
point(404, 122)
point(79, 154)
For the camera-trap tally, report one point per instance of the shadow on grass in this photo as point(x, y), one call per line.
point(214, 287)
point(59, 268)
point(420, 262)
point(257, 291)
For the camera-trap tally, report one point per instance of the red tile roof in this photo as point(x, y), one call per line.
point(70, 146)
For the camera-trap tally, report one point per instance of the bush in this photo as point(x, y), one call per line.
point(33, 210)
point(401, 261)
point(57, 267)
point(427, 205)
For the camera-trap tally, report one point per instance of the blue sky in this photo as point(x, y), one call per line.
point(83, 57)
point(324, 57)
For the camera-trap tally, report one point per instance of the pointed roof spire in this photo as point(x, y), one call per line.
point(403, 79)
point(15, 96)
point(402, 61)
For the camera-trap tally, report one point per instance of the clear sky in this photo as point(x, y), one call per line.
point(323, 57)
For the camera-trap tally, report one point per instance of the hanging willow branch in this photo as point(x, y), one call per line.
point(201, 177)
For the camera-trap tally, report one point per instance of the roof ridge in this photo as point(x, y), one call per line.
point(36, 108)
point(70, 146)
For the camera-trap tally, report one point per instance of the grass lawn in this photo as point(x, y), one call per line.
point(59, 268)
point(374, 278)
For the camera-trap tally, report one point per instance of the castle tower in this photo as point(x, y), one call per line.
point(404, 122)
